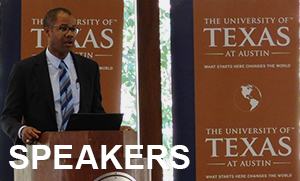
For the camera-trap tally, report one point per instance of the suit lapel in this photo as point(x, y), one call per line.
point(42, 73)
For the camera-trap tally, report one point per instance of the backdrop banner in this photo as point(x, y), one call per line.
point(100, 38)
point(183, 110)
point(246, 89)
point(10, 36)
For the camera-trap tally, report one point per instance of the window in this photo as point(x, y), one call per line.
point(128, 92)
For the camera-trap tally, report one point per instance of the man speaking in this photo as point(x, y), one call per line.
point(45, 89)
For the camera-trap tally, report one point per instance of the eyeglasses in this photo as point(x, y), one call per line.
point(64, 29)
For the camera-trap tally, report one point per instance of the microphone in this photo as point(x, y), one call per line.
point(66, 91)
point(77, 83)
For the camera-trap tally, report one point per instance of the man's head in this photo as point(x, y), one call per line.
point(60, 29)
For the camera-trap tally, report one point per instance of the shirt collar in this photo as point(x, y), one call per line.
point(56, 61)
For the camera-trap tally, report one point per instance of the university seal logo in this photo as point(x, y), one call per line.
point(115, 176)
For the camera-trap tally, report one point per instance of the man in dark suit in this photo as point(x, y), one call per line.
point(33, 92)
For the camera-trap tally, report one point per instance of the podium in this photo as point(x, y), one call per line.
point(45, 168)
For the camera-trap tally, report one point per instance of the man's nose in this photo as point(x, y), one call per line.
point(70, 33)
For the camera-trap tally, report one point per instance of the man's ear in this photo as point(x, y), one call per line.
point(47, 31)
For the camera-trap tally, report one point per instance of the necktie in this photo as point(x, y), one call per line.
point(66, 97)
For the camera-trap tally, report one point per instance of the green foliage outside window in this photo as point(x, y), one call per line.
point(129, 96)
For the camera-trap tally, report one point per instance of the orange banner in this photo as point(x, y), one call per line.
point(100, 38)
point(246, 89)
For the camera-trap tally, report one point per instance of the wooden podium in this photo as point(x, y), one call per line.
point(45, 168)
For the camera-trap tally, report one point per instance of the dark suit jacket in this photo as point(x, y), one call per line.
point(30, 95)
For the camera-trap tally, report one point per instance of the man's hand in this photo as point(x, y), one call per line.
point(30, 135)
point(126, 128)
